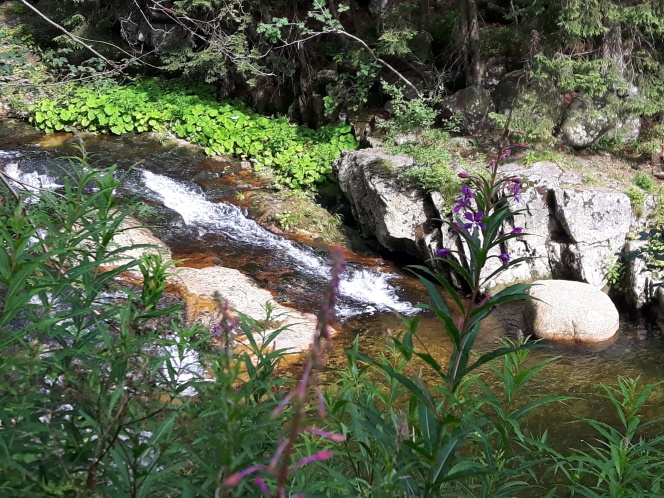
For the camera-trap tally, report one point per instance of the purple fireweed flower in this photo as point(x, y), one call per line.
point(506, 154)
point(466, 194)
point(516, 231)
point(260, 483)
point(517, 195)
point(504, 257)
point(464, 175)
point(234, 479)
point(492, 166)
point(458, 207)
point(484, 300)
point(316, 457)
point(444, 253)
point(475, 221)
point(335, 437)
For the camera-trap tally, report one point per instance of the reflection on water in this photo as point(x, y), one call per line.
point(638, 351)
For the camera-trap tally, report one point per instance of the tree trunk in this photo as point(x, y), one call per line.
point(612, 51)
point(469, 38)
point(474, 68)
point(424, 28)
point(463, 32)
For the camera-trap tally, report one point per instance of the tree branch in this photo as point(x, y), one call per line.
point(75, 38)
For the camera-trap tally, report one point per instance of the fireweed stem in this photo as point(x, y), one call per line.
point(281, 464)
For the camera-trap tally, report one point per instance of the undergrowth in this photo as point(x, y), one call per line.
point(106, 392)
point(300, 157)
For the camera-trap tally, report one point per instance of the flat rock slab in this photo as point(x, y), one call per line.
point(199, 286)
point(565, 310)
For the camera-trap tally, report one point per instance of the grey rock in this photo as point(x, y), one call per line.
point(534, 102)
point(586, 121)
point(493, 71)
point(326, 77)
point(383, 206)
point(571, 231)
point(626, 130)
point(473, 104)
point(638, 279)
point(199, 286)
point(594, 223)
point(570, 311)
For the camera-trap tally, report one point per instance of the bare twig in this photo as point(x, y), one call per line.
point(75, 38)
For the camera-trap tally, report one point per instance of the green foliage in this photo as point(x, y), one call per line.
point(578, 74)
point(503, 41)
point(299, 157)
point(644, 181)
point(623, 462)
point(431, 170)
point(585, 54)
point(408, 115)
point(536, 129)
point(533, 156)
point(615, 274)
point(75, 377)
point(637, 198)
point(90, 382)
point(298, 210)
point(352, 90)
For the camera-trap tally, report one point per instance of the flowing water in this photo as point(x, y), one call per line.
point(201, 221)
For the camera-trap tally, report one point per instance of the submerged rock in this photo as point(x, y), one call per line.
point(564, 310)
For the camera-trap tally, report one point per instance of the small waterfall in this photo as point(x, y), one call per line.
point(32, 181)
point(362, 290)
point(359, 286)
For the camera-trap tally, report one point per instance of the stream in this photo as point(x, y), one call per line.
point(200, 220)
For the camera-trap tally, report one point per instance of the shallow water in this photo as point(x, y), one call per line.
point(188, 189)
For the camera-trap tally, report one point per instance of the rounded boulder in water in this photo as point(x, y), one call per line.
point(564, 310)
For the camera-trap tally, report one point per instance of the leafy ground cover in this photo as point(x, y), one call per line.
point(300, 157)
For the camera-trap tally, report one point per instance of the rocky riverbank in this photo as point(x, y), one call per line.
point(573, 230)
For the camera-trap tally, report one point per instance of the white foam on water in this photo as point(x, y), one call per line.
point(365, 286)
point(361, 290)
point(32, 182)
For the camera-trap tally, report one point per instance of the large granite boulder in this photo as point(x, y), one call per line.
point(587, 120)
point(473, 105)
point(383, 206)
point(571, 230)
point(564, 310)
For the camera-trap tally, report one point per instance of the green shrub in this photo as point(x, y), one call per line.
point(408, 115)
point(637, 198)
point(431, 170)
point(644, 181)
